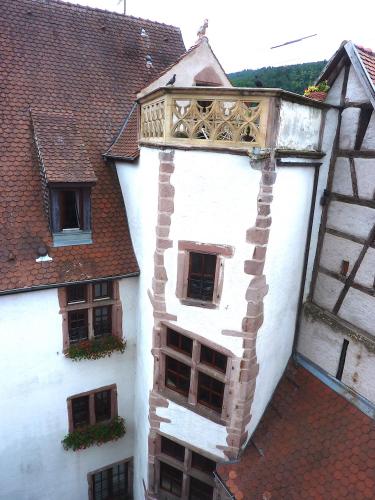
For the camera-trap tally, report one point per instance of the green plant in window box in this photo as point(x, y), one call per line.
point(95, 348)
point(96, 434)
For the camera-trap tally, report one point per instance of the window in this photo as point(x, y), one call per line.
point(183, 473)
point(193, 373)
point(112, 483)
point(71, 215)
point(90, 311)
point(200, 273)
point(92, 407)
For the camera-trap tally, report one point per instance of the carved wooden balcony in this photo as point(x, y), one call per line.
point(224, 118)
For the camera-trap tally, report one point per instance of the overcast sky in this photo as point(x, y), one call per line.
point(241, 32)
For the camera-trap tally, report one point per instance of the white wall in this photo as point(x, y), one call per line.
point(299, 126)
point(36, 381)
point(139, 185)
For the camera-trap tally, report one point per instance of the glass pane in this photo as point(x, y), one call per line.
point(102, 318)
point(172, 449)
point(179, 342)
point(102, 405)
point(209, 265)
point(80, 411)
point(210, 392)
point(177, 376)
point(101, 485)
point(213, 358)
point(200, 490)
point(201, 280)
point(196, 262)
point(76, 293)
point(102, 290)
point(170, 479)
point(77, 325)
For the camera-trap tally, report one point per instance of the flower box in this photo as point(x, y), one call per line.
point(95, 348)
point(96, 434)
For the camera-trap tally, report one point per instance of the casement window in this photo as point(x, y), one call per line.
point(71, 215)
point(92, 407)
point(194, 373)
point(182, 472)
point(90, 311)
point(113, 482)
point(200, 273)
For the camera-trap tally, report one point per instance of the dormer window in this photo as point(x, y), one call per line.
point(71, 215)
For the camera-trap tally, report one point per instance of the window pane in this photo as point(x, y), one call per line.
point(210, 392)
point(202, 463)
point(76, 293)
point(170, 479)
point(103, 405)
point(101, 482)
point(213, 358)
point(177, 376)
point(200, 490)
point(120, 486)
point(77, 325)
point(70, 213)
point(179, 342)
point(102, 290)
point(172, 449)
point(102, 318)
point(80, 411)
point(201, 279)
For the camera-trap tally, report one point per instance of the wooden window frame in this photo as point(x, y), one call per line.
point(185, 248)
point(196, 367)
point(89, 305)
point(185, 467)
point(90, 475)
point(91, 395)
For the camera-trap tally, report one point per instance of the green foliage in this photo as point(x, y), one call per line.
point(81, 439)
point(321, 87)
point(294, 78)
point(96, 348)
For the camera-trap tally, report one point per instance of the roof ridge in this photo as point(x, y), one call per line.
point(365, 49)
point(77, 6)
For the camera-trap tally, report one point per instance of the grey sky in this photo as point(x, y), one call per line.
point(241, 32)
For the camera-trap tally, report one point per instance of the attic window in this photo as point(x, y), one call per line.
point(71, 215)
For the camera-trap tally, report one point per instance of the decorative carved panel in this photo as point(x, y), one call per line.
point(152, 120)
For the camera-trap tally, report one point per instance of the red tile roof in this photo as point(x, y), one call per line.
point(316, 445)
point(368, 59)
point(87, 63)
point(60, 148)
point(126, 143)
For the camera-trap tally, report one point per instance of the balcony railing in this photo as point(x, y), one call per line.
point(219, 118)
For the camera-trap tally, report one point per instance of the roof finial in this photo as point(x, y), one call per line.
point(202, 30)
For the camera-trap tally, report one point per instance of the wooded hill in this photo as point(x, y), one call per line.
point(295, 77)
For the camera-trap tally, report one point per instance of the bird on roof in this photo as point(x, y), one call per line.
point(172, 80)
point(258, 82)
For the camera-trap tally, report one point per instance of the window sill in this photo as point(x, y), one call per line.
point(70, 237)
point(95, 348)
point(96, 434)
point(199, 303)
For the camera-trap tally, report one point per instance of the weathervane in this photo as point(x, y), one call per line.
point(202, 30)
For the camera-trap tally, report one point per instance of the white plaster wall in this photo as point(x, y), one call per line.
point(322, 345)
point(328, 136)
point(189, 66)
point(334, 94)
point(335, 250)
point(327, 291)
point(351, 219)
point(355, 91)
point(36, 381)
point(348, 129)
point(365, 170)
point(193, 429)
point(359, 309)
point(299, 126)
point(369, 139)
point(139, 185)
point(290, 212)
point(342, 180)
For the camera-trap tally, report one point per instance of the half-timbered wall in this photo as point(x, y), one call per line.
point(341, 305)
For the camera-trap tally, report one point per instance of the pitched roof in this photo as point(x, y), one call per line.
point(368, 60)
point(86, 63)
point(125, 145)
point(314, 445)
point(60, 149)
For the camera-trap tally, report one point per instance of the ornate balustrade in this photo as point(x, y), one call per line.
point(199, 117)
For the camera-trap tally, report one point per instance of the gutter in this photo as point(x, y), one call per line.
point(59, 285)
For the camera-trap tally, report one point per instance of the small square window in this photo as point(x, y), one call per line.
point(172, 449)
point(102, 290)
point(179, 342)
point(76, 293)
point(177, 376)
point(201, 278)
point(77, 325)
point(170, 479)
point(210, 392)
